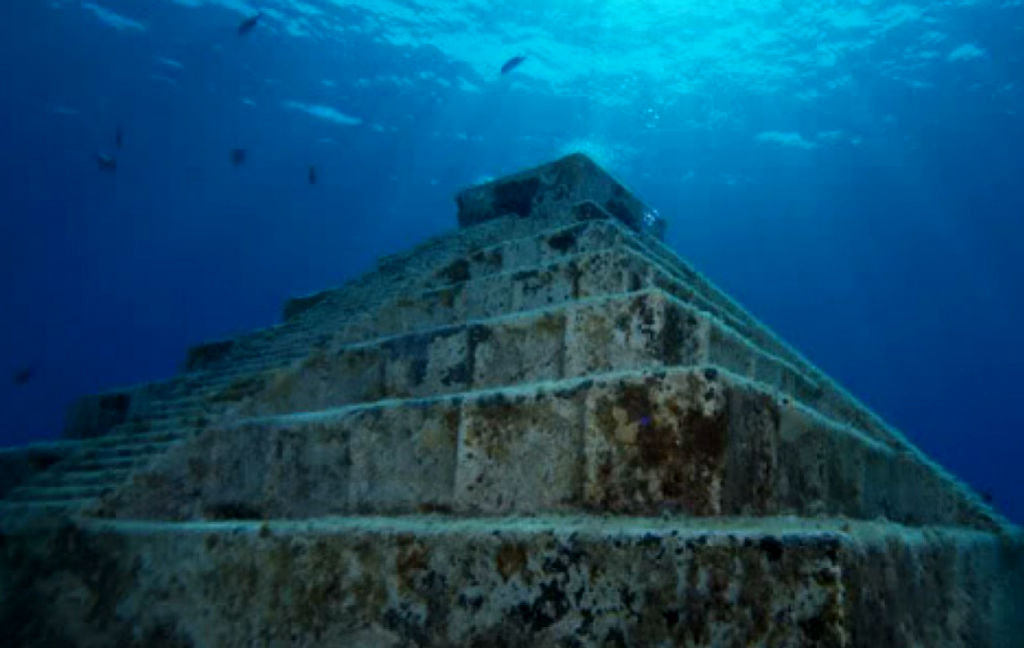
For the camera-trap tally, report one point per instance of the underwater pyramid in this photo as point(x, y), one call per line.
point(542, 429)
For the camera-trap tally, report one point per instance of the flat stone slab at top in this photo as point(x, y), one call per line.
point(552, 187)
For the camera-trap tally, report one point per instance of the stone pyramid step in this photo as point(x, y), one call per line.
point(728, 347)
point(542, 581)
point(15, 514)
point(128, 451)
point(30, 493)
point(145, 426)
point(142, 439)
point(643, 329)
point(83, 476)
point(697, 441)
point(109, 463)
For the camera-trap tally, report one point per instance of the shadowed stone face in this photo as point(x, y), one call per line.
point(516, 196)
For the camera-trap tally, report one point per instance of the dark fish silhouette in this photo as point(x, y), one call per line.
point(246, 25)
point(312, 174)
point(118, 137)
point(22, 376)
point(512, 64)
point(237, 156)
point(106, 162)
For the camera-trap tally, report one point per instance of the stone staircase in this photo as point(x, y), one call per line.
point(543, 429)
point(94, 468)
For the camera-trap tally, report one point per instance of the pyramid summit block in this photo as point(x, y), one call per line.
point(550, 189)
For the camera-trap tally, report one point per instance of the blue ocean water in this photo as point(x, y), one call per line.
point(851, 172)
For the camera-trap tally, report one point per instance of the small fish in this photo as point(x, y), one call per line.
point(22, 376)
point(246, 25)
point(237, 156)
point(512, 64)
point(118, 137)
point(106, 162)
point(312, 174)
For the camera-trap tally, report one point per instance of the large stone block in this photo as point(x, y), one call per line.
point(324, 378)
point(632, 331)
point(553, 187)
point(255, 470)
point(654, 444)
point(517, 350)
point(520, 452)
point(404, 459)
point(427, 364)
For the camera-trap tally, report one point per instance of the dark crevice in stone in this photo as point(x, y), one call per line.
point(516, 196)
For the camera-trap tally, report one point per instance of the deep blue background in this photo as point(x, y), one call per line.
point(893, 260)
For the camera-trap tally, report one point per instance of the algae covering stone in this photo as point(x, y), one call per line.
point(519, 452)
point(529, 582)
point(543, 429)
point(654, 444)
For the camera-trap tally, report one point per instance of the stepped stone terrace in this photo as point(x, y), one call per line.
point(542, 429)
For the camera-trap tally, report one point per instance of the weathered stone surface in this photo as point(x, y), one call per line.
point(543, 248)
point(519, 452)
point(642, 329)
point(404, 459)
point(516, 582)
point(694, 441)
point(518, 350)
point(656, 443)
point(568, 340)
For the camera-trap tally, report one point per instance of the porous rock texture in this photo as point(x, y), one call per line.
point(543, 429)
